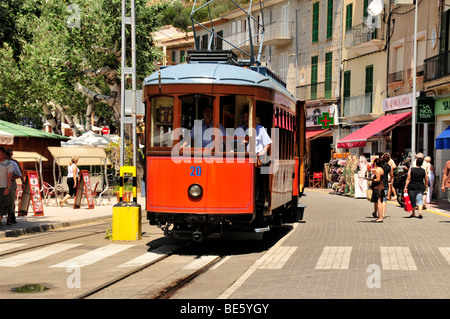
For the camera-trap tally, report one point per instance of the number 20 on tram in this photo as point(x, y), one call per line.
point(204, 178)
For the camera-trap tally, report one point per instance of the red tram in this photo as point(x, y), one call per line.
point(201, 191)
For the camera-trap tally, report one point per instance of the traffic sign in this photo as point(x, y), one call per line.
point(105, 130)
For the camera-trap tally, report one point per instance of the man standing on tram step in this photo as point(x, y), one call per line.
point(17, 173)
point(262, 144)
point(6, 172)
point(207, 122)
point(446, 179)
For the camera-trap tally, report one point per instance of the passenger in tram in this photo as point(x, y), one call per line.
point(203, 135)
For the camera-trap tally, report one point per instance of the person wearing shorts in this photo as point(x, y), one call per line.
point(415, 185)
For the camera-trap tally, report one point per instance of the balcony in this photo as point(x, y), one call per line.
point(358, 105)
point(361, 39)
point(279, 33)
point(316, 91)
point(437, 67)
point(395, 77)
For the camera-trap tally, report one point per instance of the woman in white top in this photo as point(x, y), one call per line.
point(72, 178)
point(431, 178)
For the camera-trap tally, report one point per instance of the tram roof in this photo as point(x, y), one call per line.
point(213, 73)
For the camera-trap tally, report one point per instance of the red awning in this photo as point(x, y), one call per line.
point(316, 133)
point(360, 137)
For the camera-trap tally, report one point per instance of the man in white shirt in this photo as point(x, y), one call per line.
point(262, 144)
point(262, 139)
point(6, 172)
point(17, 173)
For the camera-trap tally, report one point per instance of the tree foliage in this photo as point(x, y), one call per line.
point(69, 59)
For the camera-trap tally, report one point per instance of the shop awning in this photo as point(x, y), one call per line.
point(17, 130)
point(443, 140)
point(382, 124)
point(310, 135)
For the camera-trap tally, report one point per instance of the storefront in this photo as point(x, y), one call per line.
point(374, 132)
point(318, 140)
point(442, 112)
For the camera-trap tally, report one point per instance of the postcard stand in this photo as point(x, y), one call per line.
point(31, 191)
point(84, 184)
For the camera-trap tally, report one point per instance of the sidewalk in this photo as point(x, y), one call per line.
point(440, 206)
point(57, 217)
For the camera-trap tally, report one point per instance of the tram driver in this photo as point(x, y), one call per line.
point(204, 135)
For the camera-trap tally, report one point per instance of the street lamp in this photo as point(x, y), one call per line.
point(413, 120)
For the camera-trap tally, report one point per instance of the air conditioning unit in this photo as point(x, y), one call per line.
point(403, 1)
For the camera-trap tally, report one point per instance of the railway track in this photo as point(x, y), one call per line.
point(169, 288)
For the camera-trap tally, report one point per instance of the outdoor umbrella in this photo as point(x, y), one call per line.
point(87, 139)
point(6, 138)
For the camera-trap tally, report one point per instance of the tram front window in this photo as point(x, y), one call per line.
point(197, 115)
point(162, 121)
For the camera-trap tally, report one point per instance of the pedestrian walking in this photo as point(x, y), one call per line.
point(72, 179)
point(416, 183)
point(391, 189)
point(6, 172)
point(446, 180)
point(431, 179)
point(386, 178)
point(378, 193)
point(17, 174)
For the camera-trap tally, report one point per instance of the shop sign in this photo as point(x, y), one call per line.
point(442, 106)
point(425, 110)
point(397, 102)
point(314, 113)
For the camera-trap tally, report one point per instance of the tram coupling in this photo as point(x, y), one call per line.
point(197, 236)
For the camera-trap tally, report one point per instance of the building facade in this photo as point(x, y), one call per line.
point(345, 58)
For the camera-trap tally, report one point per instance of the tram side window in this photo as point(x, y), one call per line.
point(162, 121)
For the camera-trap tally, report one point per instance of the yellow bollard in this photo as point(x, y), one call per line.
point(126, 223)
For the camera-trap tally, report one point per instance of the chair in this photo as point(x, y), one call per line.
point(48, 191)
point(316, 180)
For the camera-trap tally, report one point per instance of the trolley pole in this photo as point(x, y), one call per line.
point(125, 119)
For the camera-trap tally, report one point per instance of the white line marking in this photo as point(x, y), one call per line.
point(35, 255)
point(217, 265)
point(240, 281)
point(92, 256)
point(334, 257)
point(278, 258)
point(149, 256)
point(397, 258)
point(199, 262)
point(445, 251)
point(4, 247)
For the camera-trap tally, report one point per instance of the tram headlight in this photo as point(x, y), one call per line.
point(195, 191)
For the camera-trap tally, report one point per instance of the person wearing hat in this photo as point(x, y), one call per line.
point(72, 178)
